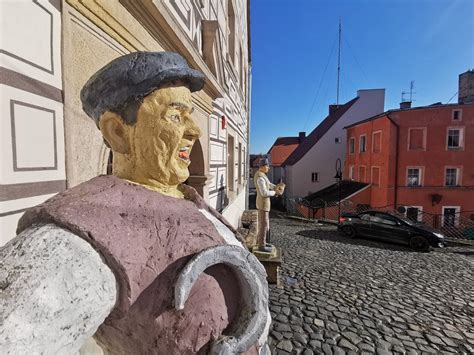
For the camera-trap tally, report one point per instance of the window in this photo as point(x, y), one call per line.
point(230, 162)
point(239, 169)
point(416, 138)
point(451, 177)
point(351, 172)
point(377, 142)
point(455, 138)
point(352, 145)
point(314, 177)
point(451, 216)
point(375, 175)
point(361, 173)
point(231, 33)
point(413, 177)
point(338, 140)
point(457, 115)
point(362, 141)
point(384, 219)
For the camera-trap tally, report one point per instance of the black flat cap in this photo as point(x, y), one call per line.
point(132, 77)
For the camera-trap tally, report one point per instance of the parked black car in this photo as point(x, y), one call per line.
point(387, 227)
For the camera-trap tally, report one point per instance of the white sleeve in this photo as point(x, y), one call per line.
point(263, 188)
point(55, 291)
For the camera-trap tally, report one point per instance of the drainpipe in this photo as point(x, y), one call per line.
point(395, 189)
point(249, 109)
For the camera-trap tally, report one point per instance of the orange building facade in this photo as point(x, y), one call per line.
point(419, 158)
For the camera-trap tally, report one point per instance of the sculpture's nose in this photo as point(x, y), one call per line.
point(191, 131)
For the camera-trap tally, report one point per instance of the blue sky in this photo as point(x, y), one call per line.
point(386, 44)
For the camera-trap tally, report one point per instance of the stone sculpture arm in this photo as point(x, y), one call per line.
point(55, 291)
point(253, 320)
point(262, 188)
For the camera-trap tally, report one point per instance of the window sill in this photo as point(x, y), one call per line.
point(455, 148)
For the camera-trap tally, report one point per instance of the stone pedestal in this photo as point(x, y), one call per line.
point(271, 262)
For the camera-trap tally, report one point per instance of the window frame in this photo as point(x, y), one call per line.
point(373, 141)
point(459, 110)
point(458, 175)
point(354, 146)
point(456, 215)
point(365, 143)
point(461, 138)
point(372, 175)
point(420, 175)
point(351, 172)
point(317, 177)
point(359, 174)
point(424, 129)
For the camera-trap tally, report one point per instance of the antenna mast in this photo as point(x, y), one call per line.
point(338, 64)
point(412, 85)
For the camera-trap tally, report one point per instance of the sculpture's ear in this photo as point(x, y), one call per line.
point(115, 132)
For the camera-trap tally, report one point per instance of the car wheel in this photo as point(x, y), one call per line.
point(349, 231)
point(420, 243)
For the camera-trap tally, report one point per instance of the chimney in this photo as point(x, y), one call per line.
point(466, 87)
point(405, 104)
point(333, 108)
point(301, 136)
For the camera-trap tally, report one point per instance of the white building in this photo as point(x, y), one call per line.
point(311, 166)
point(50, 48)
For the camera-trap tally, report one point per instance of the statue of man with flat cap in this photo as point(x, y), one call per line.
point(136, 258)
point(265, 190)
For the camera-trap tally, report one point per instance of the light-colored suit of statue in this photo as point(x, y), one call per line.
point(265, 190)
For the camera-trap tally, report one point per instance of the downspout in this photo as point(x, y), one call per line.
point(249, 108)
point(395, 189)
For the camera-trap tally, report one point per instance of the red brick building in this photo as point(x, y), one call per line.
point(421, 158)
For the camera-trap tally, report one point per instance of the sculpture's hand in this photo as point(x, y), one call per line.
point(250, 324)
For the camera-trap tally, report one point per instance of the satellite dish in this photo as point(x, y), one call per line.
point(401, 209)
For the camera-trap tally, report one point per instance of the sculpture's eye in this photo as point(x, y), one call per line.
point(175, 118)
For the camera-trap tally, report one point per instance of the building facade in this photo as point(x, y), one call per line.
point(48, 142)
point(279, 152)
point(419, 158)
point(311, 166)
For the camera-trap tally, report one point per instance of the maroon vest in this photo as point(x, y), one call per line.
point(146, 238)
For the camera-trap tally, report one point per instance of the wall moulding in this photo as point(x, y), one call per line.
point(97, 14)
point(160, 23)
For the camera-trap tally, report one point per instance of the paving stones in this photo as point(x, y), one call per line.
point(285, 345)
point(365, 297)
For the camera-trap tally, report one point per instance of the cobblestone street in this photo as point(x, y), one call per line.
point(343, 296)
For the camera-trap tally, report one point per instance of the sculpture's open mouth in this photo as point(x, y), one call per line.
point(184, 152)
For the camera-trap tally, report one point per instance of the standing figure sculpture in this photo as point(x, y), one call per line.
point(136, 258)
point(265, 190)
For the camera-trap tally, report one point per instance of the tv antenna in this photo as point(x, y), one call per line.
point(338, 63)
point(411, 92)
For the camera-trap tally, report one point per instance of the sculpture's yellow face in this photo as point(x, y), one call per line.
point(164, 135)
point(155, 151)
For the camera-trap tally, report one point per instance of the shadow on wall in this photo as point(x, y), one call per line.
point(222, 199)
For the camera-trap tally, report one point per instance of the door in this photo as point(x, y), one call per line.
point(449, 217)
point(389, 228)
point(364, 225)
